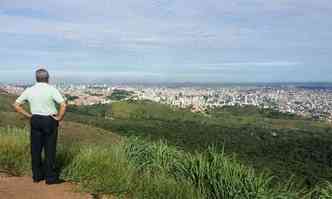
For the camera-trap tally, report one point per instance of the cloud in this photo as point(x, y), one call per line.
point(167, 36)
point(249, 64)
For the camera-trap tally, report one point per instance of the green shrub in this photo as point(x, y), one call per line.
point(101, 170)
point(14, 151)
point(151, 156)
point(161, 185)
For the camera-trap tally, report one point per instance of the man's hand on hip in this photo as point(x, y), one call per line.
point(18, 108)
point(57, 118)
point(61, 113)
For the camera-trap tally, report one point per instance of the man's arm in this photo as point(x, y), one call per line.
point(62, 111)
point(18, 107)
point(59, 99)
point(21, 100)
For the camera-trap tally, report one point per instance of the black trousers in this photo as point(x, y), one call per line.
point(44, 135)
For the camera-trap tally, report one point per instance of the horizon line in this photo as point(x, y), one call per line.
point(170, 82)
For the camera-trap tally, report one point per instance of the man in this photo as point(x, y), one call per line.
point(44, 119)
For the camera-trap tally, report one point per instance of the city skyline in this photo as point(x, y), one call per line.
point(167, 41)
point(309, 102)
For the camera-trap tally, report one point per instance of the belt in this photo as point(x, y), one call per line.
point(36, 115)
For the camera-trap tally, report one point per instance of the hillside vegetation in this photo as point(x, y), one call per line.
point(266, 140)
point(118, 95)
point(134, 168)
point(232, 152)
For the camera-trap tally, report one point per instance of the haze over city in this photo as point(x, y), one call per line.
point(167, 41)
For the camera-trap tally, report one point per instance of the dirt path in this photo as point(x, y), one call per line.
point(24, 188)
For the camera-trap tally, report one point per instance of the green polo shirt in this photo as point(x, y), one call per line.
point(42, 98)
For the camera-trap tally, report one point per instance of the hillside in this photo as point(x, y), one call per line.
point(138, 169)
point(281, 143)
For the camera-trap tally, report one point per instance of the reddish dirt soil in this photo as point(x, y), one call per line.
point(24, 188)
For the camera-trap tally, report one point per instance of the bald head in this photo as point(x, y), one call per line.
point(42, 75)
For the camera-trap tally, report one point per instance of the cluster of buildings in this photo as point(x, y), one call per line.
point(12, 89)
point(315, 103)
point(75, 94)
point(86, 94)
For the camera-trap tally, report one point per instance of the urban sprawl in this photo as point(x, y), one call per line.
point(314, 103)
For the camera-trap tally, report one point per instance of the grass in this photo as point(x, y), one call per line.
point(164, 186)
point(14, 151)
point(266, 140)
point(133, 168)
point(100, 170)
point(326, 192)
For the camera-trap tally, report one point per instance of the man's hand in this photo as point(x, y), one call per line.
point(61, 114)
point(57, 118)
point(18, 108)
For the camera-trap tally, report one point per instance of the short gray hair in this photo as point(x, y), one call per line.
point(42, 75)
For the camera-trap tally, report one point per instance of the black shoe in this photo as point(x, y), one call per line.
point(52, 182)
point(37, 180)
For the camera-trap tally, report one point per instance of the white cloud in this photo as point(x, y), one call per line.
point(62, 33)
point(248, 64)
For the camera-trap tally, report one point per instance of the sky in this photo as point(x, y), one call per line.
point(167, 40)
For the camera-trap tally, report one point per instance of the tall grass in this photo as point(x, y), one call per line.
point(326, 193)
point(152, 185)
point(14, 151)
point(101, 170)
point(138, 169)
point(156, 156)
point(220, 177)
point(212, 173)
point(323, 192)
